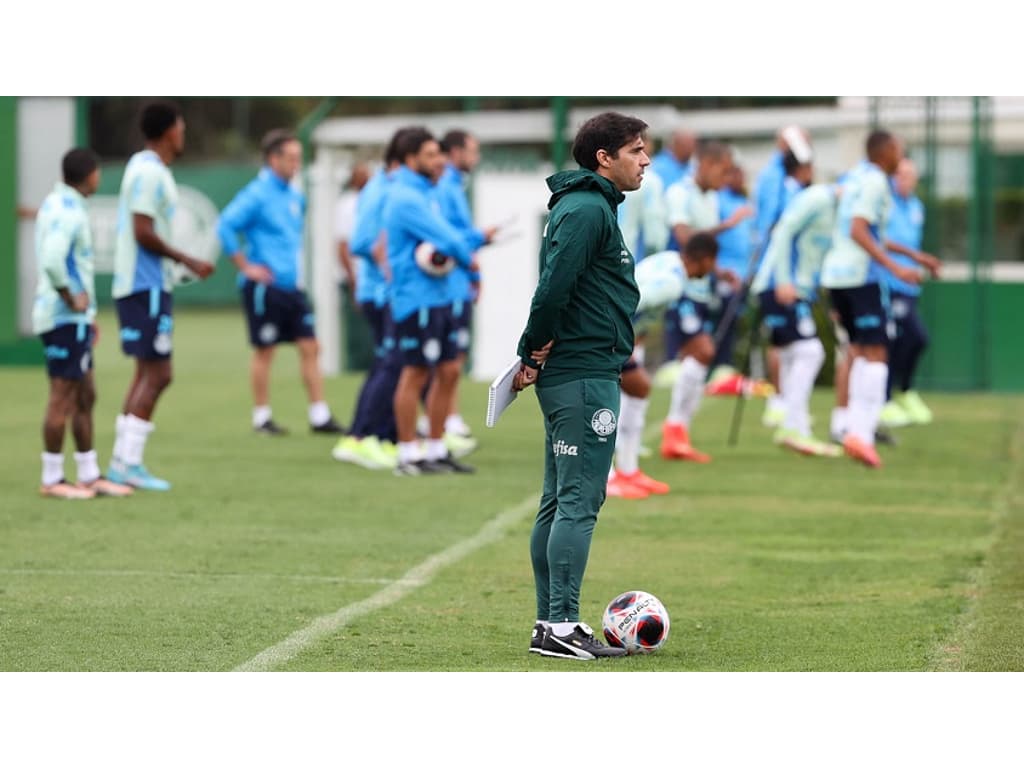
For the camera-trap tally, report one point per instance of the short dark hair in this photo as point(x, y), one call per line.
point(77, 164)
point(158, 117)
point(713, 150)
point(610, 131)
point(274, 140)
point(877, 141)
point(455, 138)
point(411, 140)
point(701, 244)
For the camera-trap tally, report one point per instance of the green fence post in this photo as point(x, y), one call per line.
point(559, 120)
point(979, 237)
point(9, 219)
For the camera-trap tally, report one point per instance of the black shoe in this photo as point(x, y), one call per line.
point(456, 466)
point(268, 427)
point(329, 427)
point(884, 437)
point(421, 467)
point(537, 638)
point(580, 645)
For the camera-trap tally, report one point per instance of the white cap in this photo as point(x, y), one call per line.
point(794, 138)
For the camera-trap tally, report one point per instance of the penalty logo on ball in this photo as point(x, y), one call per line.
point(636, 621)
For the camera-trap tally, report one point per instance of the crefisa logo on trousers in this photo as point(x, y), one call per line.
point(561, 448)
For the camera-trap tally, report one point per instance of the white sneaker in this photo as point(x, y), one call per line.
point(456, 426)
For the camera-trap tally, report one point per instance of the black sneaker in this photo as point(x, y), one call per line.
point(268, 427)
point(537, 637)
point(456, 466)
point(421, 467)
point(884, 437)
point(329, 427)
point(580, 644)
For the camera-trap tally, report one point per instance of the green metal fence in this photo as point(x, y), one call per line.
point(972, 313)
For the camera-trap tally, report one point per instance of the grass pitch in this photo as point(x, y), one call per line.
point(765, 560)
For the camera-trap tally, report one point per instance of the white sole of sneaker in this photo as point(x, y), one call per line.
point(567, 655)
point(351, 458)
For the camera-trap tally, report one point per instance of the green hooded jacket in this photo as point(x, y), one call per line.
point(586, 295)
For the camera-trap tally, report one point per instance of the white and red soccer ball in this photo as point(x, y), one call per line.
point(432, 261)
point(636, 621)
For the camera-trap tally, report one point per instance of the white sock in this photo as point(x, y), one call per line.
point(776, 402)
point(867, 397)
point(840, 420)
point(801, 362)
point(435, 450)
point(632, 415)
point(88, 469)
point(409, 452)
point(687, 392)
point(260, 415)
point(319, 413)
point(136, 431)
point(875, 376)
point(562, 628)
point(115, 456)
point(53, 468)
point(454, 423)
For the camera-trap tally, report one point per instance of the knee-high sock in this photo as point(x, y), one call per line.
point(136, 432)
point(805, 358)
point(115, 455)
point(867, 397)
point(687, 392)
point(632, 414)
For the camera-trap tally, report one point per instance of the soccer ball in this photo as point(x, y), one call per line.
point(636, 621)
point(433, 262)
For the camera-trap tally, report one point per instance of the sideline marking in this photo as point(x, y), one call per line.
point(190, 575)
point(419, 576)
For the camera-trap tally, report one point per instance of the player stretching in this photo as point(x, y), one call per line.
point(693, 207)
point(853, 270)
point(662, 279)
point(786, 285)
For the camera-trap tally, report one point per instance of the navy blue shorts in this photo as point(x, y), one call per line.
point(427, 337)
point(787, 323)
point(68, 350)
point(862, 313)
point(462, 316)
point(276, 315)
point(692, 319)
point(147, 324)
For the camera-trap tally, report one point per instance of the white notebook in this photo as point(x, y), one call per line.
point(500, 393)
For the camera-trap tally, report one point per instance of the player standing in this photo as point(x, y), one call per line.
point(580, 329)
point(143, 281)
point(270, 212)
point(63, 315)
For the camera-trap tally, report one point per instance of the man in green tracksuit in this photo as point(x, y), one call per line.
point(578, 336)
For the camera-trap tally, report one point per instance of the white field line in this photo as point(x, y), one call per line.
point(420, 575)
point(190, 575)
